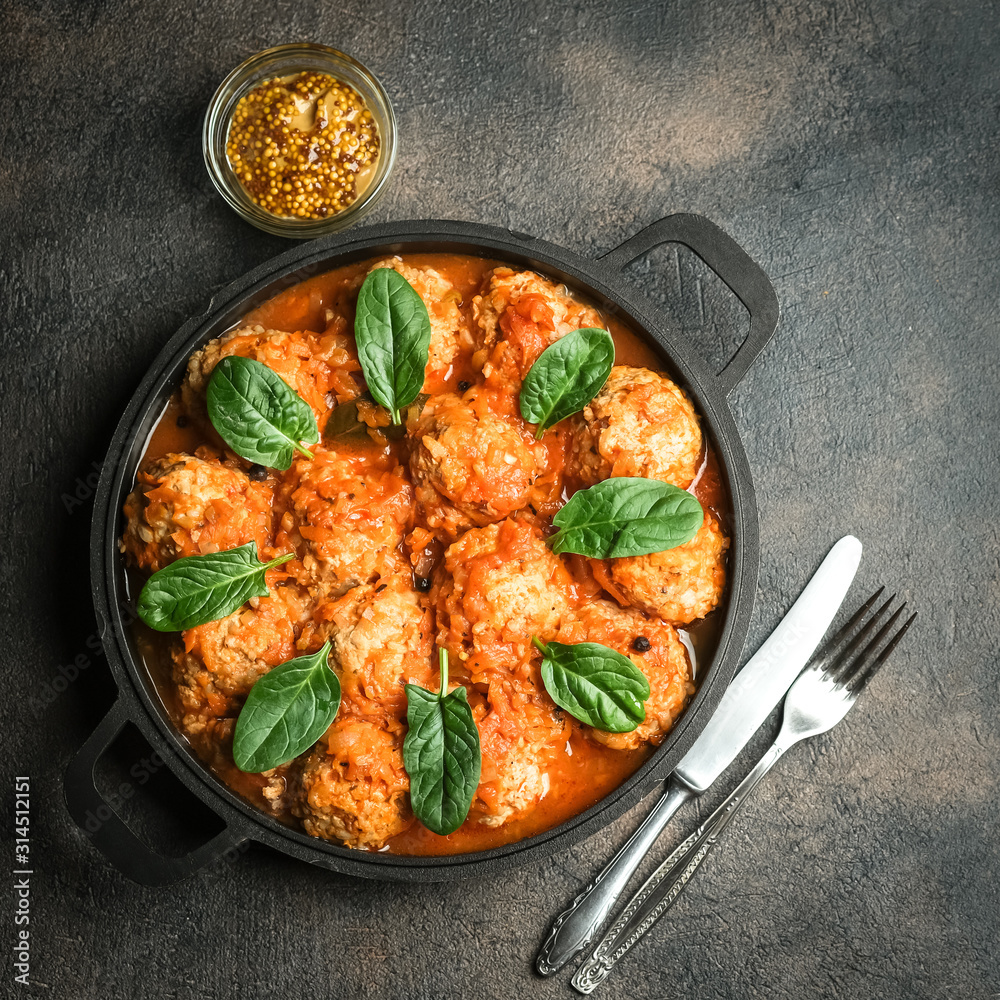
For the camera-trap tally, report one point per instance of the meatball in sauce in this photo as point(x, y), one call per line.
point(432, 536)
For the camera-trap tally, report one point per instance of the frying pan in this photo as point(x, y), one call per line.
point(603, 282)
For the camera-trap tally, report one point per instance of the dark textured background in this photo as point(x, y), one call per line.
point(851, 147)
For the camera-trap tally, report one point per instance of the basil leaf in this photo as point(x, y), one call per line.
point(595, 684)
point(258, 414)
point(566, 377)
point(626, 517)
point(393, 333)
point(441, 754)
point(199, 589)
point(286, 712)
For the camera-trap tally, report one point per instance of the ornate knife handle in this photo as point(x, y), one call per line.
point(666, 883)
point(576, 926)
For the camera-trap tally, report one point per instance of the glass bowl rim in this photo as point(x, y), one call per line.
point(250, 73)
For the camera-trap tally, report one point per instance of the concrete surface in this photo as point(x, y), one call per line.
point(851, 147)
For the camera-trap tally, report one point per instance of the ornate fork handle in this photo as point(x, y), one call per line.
point(576, 926)
point(666, 883)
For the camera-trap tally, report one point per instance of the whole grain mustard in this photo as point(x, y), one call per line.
point(303, 146)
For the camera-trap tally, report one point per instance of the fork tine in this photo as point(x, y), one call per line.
point(868, 671)
point(847, 672)
point(831, 644)
point(838, 668)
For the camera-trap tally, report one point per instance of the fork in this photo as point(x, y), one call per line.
point(820, 697)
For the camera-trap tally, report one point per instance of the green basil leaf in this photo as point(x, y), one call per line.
point(258, 414)
point(393, 334)
point(595, 684)
point(626, 517)
point(566, 377)
point(199, 589)
point(441, 754)
point(286, 712)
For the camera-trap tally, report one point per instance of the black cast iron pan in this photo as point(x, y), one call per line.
point(602, 281)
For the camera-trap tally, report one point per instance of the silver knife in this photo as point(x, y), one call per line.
point(748, 701)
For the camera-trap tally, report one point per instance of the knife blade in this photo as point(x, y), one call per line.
point(769, 673)
point(747, 703)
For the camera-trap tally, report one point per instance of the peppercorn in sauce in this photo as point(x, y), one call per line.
point(303, 146)
point(432, 536)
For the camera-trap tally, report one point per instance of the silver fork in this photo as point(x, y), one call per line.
point(820, 697)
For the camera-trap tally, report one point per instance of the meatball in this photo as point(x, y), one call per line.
point(680, 585)
point(498, 586)
point(521, 732)
point(449, 330)
point(353, 788)
point(320, 367)
point(655, 648)
point(639, 424)
point(472, 466)
point(221, 661)
point(347, 515)
point(382, 640)
point(518, 315)
point(185, 505)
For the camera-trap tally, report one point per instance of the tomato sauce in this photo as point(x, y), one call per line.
point(586, 771)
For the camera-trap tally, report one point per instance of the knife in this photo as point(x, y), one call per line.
point(748, 701)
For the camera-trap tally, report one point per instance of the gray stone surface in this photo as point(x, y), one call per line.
point(852, 149)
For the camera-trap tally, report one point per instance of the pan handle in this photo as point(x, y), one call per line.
point(731, 263)
point(109, 833)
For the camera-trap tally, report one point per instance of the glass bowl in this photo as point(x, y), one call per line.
point(280, 61)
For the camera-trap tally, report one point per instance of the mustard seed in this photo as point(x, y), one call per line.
point(307, 132)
